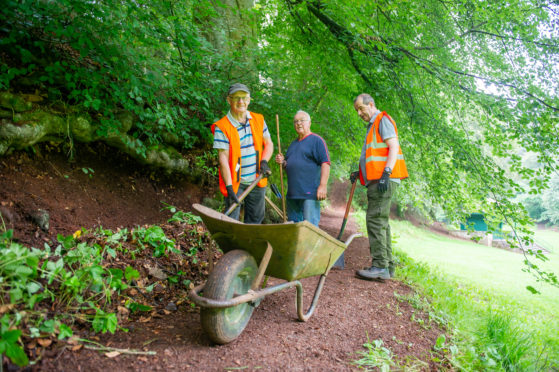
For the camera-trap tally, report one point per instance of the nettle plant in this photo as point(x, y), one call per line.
point(154, 237)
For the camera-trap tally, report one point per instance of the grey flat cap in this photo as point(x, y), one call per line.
point(236, 87)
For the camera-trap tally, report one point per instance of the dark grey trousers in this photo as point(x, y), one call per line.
point(254, 205)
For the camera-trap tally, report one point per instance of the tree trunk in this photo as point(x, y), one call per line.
point(231, 28)
point(23, 124)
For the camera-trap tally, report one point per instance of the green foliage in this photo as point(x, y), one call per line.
point(9, 346)
point(81, 278)
point(155, 237)
point(490, 328)
point(550, 201)
point(376, 356)
point(150, 60)
point(75, 267)
point(506, 347)
point(135, 306)
point(72, 273)
point(180, 216)
point(202, 162)
point(103, 322)
point(88, 171)
point(534, 206)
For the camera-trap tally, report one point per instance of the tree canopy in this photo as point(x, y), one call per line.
point(471, 84)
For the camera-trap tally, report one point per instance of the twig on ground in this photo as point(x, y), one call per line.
point(100, 347)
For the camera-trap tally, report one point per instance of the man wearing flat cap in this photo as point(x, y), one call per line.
point(244, 147)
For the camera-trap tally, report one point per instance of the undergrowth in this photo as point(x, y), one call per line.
point(79, 282)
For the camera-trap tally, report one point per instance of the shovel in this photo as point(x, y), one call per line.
point(245, 193)
point(340, 263)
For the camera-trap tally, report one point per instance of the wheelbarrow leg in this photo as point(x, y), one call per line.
point(305, 316)
point(262, 267)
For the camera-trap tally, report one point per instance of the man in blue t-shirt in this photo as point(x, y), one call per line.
point(307, 163)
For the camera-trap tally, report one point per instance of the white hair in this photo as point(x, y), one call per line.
point(303, 112)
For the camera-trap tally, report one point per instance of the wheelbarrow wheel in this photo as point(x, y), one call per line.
point(232, 276)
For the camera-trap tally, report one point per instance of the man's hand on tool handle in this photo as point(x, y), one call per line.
point(354, 176)
point(231, 196)
point(265, 168)
point(280, 159)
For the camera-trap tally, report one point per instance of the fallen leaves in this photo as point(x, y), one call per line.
point(77, 347)
point(156, 272)
point(44, 342)
point(6, 308)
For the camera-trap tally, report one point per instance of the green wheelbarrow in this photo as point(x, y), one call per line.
point(288, 251)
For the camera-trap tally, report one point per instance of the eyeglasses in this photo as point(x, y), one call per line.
point(238, 99)
point(300, 121)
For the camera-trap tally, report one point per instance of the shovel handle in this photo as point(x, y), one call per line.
point(347, 208)
point(244, 194)
point(281, 171)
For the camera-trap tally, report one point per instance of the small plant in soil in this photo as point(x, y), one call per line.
point(376, 356)
point(88, 171)
point(82, 282)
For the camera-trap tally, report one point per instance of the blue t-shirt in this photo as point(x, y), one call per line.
point(304, 160)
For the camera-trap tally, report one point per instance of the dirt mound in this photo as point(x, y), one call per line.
point(100, 188)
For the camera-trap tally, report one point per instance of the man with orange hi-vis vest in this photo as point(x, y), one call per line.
point(244, 147)
point(381, 167)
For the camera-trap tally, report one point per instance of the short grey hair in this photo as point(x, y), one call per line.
point(365, 98)
point(303, 112)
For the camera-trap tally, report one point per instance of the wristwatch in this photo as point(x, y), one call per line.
point(388, 170)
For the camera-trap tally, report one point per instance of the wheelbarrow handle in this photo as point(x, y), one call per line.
point(245, 193)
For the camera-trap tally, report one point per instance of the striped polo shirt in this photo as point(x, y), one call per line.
point(248, 154)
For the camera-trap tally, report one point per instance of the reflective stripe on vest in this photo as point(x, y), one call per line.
point(376, 154)
point(257, 128)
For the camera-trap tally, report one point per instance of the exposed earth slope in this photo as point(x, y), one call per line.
point(105, 189)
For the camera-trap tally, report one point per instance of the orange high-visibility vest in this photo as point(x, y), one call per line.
point(376, 154)
point(235, 161)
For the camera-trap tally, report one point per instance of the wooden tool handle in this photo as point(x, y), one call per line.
point(281, 171)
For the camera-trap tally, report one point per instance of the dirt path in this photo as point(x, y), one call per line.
point(349, 309)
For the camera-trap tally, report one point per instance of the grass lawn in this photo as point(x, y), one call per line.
point(489, 268)
point(497, 274)
point(549, 239)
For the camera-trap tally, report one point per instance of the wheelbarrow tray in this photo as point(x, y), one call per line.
point(300, 250)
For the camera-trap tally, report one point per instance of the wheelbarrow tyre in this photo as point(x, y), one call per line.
point(233, 275)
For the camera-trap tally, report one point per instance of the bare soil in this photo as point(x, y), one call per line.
point(120, 193)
